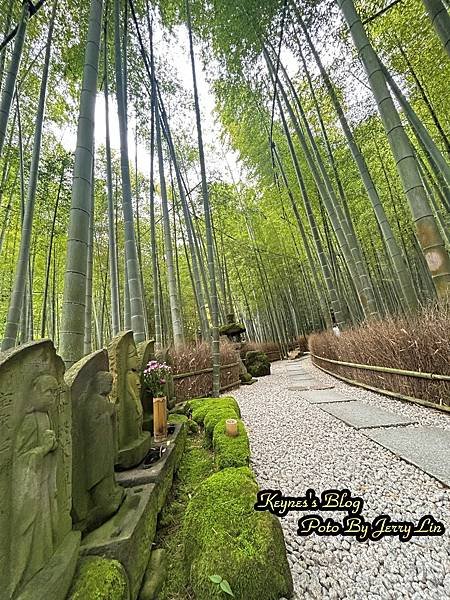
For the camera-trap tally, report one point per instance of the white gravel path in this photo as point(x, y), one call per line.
point(296, 446)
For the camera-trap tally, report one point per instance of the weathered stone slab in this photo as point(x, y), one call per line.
point(161, 469)
point(38, 548)
point(424, 447)
point(324, 396)
point(321, 386)
point(133, 443)
point(95, 493)
point(300, 386)
point(128, 535)
point(363, 416)
point(55, 579)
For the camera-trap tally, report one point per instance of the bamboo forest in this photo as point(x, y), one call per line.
point(224, 299)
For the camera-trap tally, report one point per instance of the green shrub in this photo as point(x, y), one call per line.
point(223, 535)
point(231, 451)
point(200, 406)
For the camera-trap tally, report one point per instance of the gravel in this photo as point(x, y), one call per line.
point(296, 446)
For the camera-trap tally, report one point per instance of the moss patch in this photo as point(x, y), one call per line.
point(99, 579)
point(200, 406)
point(224, 535)
point(213, 416)
point(257, 363)
point(195, 466)
point(230, 451)
point(190, 424)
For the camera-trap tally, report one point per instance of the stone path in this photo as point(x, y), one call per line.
point(297, 445)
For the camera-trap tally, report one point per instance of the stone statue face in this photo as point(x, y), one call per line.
point(44, 393)
point(102, 383)
point(133, 359)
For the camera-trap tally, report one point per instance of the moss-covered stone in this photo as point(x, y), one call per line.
point(99, 579)
point(232, 329)
point(245, 377)
point(190, 424)
point(224, 535)
point(257, 363)
point(196, 465)
point(200, 406)
point(154, 576)
point(213, 416)
point(230, 451)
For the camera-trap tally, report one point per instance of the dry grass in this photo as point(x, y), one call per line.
point(302, 343)
point(272, 349)
point(196, 357)
point(418, 343)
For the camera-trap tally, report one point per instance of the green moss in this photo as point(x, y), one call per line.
point(190, 424)
point(200, 406)
point(231, 451)
point(245, 377)
point(99, 579)
point(196, 465)
point(213, 416)
point(232, 329)
point(224, 535)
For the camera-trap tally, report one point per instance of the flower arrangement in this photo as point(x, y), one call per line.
point(155, 377)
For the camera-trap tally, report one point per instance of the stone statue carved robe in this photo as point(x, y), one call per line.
point(96, 495)
point(38, 549)
point(35, 496)
point(133, 442)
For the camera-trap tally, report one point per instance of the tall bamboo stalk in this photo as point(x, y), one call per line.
point(73, 309)
point(208, 222)
point(21, 272)
point(440, 20)
point(174, 301)
point(113, 267)
point(133, 271)
point(427, 231)
point(11, 74)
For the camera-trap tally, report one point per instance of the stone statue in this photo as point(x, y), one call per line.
point(146, 352)
point(38, 550)
point(133, 442)
point(96, 495)
point(34, 522)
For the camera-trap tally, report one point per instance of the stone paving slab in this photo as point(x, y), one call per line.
point(362, 416)
point(314, 386)
point(325, 396)
point(424, 447)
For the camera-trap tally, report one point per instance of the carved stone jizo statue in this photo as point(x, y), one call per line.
point(133, 442)
point(38, 549)
point(96, 495)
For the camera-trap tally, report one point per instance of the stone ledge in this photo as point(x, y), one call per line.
point(141, 476)
point(128, 535)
